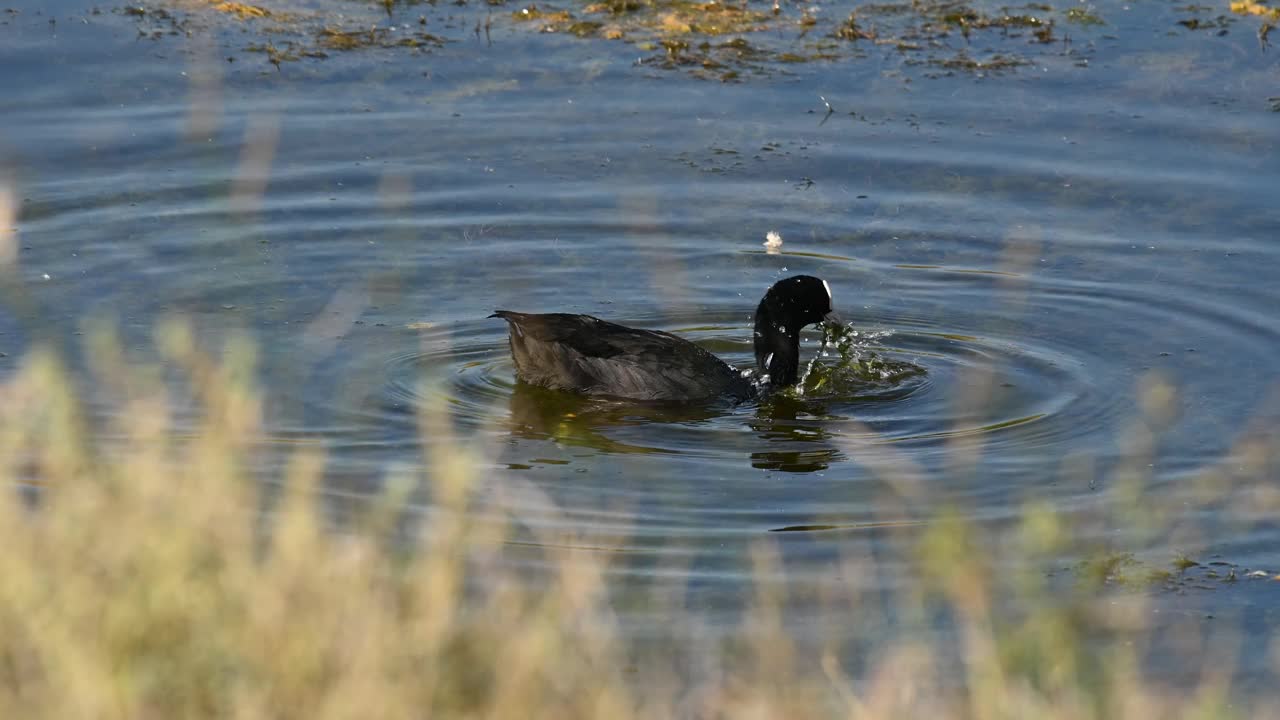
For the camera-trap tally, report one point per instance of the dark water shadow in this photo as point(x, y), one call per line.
point(579, 420)
point(796, 428)
point(799, 429)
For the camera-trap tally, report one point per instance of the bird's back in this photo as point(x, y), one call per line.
point(589, 355)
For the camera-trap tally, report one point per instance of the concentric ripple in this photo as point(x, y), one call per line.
point(898, 383)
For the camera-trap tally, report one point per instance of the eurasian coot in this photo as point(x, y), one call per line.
point(589, 355)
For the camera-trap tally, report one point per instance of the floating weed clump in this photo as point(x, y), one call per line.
point(584, 28)
point(1123, 570)
point(1081, 16)
point(710, 18)
point(288, 52)
point(963, 62)
point(547, 15)
point(342, 40)
point(1250, 7)
point(242, 11)
point(1119, 569)
point(725, 60)
point(850, 29)
point(336, 39)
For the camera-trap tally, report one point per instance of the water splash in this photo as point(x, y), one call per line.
point(822, 352)
point(856, 364)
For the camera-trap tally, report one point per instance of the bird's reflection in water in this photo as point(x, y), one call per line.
point(795, 428)
point(579, 420)
point(799, 430)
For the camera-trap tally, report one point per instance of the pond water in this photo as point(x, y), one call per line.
point(1044, 241)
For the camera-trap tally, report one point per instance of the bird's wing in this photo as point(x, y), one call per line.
point(585, 353)
point(593, 337)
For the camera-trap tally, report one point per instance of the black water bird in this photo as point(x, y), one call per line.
point(592, 356)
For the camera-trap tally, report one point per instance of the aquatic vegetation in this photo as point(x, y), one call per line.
point(533, 12)
point(1124, 571)
point(712, 39)
point(288, 30)
point(337, 39)
point(851, 30)
point(918, 33)
point(964, 62)
point(584, 28)
point(1249, 7)
point(910, 29)
point(156, 23)
point(242, 10)
point(1119, 569)
point(1221, 22)
point(725, 61)
point(334, 39)
point(1081, 16)
point(1270, 18)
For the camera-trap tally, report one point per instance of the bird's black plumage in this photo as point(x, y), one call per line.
point(589, 355)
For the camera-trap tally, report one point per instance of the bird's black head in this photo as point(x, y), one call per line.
point(787, 307)
point(799, 300)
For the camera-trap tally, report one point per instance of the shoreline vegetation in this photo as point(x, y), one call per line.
point(158, 574)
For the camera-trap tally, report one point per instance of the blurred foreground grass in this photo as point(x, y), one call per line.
point(155, 577)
